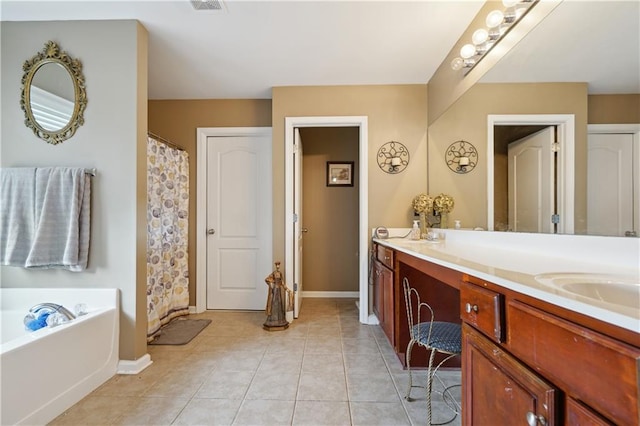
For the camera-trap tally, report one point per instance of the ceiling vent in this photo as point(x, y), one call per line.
point(207, 4)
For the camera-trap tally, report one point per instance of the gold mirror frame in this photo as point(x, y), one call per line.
point(51, 53)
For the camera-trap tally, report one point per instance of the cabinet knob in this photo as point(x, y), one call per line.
point(532, 419)
point(211, 231)
point(469, 307)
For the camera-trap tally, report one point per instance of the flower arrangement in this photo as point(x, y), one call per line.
point(443, 203)
point(422, 203)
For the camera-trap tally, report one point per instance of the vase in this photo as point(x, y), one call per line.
point(423, 225)
point(444, 220)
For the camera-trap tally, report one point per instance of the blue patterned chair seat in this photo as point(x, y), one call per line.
point(445, 336)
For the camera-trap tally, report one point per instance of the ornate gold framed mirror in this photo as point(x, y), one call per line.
point(53, 94)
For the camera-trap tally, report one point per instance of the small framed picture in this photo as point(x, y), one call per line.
point(339, 173)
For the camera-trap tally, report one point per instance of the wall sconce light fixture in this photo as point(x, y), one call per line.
point(461, 157)
point(498, 22)
point(393, 157)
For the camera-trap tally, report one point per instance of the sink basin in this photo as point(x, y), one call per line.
point(614, 289)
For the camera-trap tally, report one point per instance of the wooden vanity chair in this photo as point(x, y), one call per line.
point(436, 337)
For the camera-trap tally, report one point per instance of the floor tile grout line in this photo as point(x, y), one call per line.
point(344, 370)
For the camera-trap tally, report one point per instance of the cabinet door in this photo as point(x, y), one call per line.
point(378, 294)
point(387, 303)
point(499, 390)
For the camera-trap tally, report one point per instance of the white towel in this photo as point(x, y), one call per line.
point(17, 215)
point(62, 225)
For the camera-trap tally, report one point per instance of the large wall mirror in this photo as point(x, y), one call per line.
point(53, 94)
point(587, 69)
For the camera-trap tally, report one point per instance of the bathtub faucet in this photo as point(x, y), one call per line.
point(55, 308)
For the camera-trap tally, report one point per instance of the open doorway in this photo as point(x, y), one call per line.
point(329, 214)
point(361, 175)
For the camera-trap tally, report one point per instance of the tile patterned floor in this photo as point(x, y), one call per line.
point(326, 369)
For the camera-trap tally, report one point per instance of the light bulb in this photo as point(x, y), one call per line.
point(519, 12)
point(467, 51)
point(510, 3)
point(457, 63)
point(480, 36)
point(495, 18)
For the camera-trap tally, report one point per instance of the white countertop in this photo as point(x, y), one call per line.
point(513, 260)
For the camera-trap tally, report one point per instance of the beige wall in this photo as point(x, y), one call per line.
point(395, 112)
point(114, 59)
point(467, 120)
point(329, 213)
point(178, 120)
point(614, 109)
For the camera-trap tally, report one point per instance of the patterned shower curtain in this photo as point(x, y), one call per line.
point(167, 224)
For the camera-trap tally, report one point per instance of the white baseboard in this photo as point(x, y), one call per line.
point(373, 320)
point(134, 367)
point(192, 310)
point(331, 294)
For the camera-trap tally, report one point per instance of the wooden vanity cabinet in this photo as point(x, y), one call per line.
point(599, 371)
point(383, 293)
point(498, 389)
point(544, 358)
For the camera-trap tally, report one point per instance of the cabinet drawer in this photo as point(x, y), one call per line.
point(593, 368)
point(483, 309)
point(385, 256)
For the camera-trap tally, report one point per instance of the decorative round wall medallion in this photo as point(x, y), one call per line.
point(461, 157)
point(393, 157)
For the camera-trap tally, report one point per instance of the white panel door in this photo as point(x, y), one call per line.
point(298, 229)
point(610, 197)
point(532, 182)
point(238, 221)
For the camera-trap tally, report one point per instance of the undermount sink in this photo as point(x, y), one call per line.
point(614, 289)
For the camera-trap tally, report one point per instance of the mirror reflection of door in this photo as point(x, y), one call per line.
point(610, 195)
point(532, 182)
point(504, 201)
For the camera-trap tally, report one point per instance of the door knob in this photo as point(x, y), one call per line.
point(630, 234)
point(533, 420)
point(304, 230)
point(211, 231)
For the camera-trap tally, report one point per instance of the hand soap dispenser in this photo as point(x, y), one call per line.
point(415, 231)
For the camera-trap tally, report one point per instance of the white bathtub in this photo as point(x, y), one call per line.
point(43, 373)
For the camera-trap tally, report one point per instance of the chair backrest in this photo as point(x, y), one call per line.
point(419, 314)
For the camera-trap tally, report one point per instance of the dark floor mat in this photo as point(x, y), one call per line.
point(180, 331)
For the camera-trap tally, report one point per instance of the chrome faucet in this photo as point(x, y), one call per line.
point(55, 308)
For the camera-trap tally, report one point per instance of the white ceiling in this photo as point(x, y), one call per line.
point(252, 46)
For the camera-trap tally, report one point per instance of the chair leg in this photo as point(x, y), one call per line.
point(408, 358)
point(432, 355)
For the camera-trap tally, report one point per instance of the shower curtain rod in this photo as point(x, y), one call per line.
point(163, 140)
